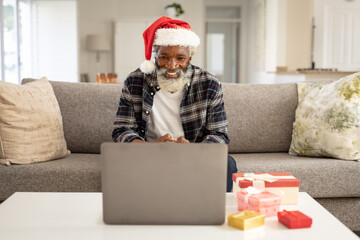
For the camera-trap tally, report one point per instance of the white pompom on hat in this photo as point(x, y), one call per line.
point(166, 32)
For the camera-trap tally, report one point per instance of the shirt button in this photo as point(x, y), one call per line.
point(142, 131)
point(152, 93)
point(147, 112)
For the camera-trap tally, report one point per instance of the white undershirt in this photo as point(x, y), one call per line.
point(165, 115)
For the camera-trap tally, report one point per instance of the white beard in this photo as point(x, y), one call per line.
point(169, 84)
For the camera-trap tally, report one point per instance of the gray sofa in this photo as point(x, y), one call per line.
point(260, 127)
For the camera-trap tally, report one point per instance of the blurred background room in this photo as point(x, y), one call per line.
point(242, 41)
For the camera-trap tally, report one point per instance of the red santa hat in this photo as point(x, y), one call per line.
point(166, 32)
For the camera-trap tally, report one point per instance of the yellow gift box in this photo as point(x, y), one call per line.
point(246, 220)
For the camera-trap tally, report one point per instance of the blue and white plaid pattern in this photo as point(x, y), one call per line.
point(202, 108)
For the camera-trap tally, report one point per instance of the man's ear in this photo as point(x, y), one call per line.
point(190, 58)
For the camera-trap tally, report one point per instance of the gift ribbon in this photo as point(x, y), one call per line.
point(260, 179)
point(250, 191)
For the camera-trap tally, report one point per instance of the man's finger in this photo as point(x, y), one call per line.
point(168, 138)
point(182, 140)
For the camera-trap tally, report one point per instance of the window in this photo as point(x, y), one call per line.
point(39, 38)
point(9, 41)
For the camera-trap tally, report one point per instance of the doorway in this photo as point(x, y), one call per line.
point(223, 42)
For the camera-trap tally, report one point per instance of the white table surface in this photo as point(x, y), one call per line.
point(67, 216)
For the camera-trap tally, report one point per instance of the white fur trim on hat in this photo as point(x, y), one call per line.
point(176, 37)
point(147, 66)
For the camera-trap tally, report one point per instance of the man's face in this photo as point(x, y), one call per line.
point(173, 58)
point(171, 63)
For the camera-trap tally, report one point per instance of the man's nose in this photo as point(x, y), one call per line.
point(172, 64)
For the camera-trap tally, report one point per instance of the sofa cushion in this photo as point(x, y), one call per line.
point(260, 116)
point(88, 112)
point(328, 119)
point(31, 127)
point(320, 177)
point(74, 173)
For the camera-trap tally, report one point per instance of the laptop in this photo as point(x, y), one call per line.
point(164, 183)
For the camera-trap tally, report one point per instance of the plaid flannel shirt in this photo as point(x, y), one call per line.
point(202, 110)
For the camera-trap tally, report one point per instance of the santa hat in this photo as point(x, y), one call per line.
point(166, 32)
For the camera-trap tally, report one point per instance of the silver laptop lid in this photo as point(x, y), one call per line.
point(164, 183)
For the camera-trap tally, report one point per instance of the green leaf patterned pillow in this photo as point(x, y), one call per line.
point(327, 119)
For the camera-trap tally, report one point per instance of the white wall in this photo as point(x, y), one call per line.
point(262, 41)
point(96, 17)
point(288, 34)
point(298, 34)
point(286, 27)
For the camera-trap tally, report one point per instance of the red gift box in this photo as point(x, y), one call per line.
point(285, 183)
point(284, 180)
point(294, 219)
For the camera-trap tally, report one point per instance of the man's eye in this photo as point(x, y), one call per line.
point(162, 57)
point(181, 58)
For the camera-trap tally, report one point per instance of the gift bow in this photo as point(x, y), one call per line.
point(252, 190)
point(260, 179)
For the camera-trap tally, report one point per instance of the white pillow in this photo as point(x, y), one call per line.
point(31, 128)
point(327, 120)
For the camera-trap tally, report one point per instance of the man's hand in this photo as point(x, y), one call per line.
point(138, 141)
point(165, 138)
point(182, 140)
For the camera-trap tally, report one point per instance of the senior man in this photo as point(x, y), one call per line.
point(172, 100)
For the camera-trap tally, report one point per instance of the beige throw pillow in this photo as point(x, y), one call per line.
point(327, 120)
point(31, 128)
